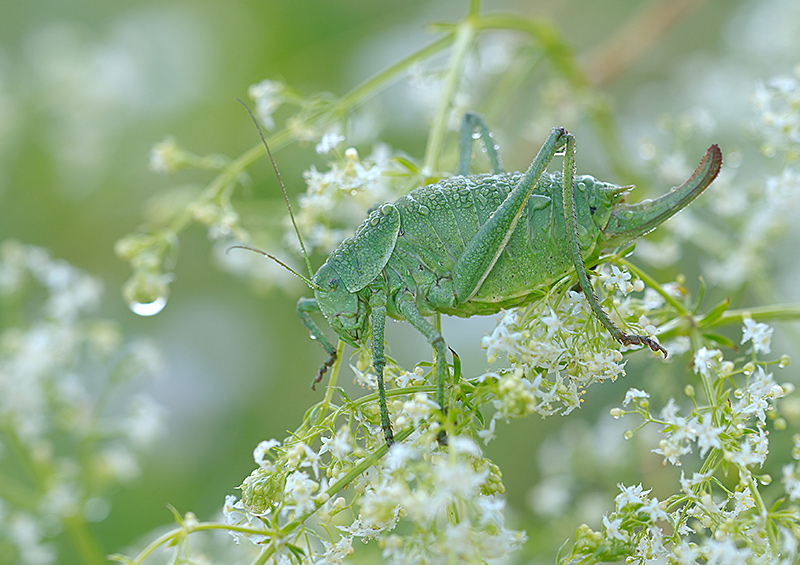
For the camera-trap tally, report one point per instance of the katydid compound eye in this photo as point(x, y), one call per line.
point(333, 284)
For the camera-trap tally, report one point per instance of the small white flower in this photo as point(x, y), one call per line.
point(336, 552)
point(339, 445)
point(617, 278)
point(328, 142)
point(744, 501)
point(418, 407)
point(399, 454)
point(464, 445)
point(791, 481)
point(366, 379)
point(760, 334)
point(648, 328)
point(703, 358)
point(726, 552)
point(632, 394)
point(752, 451)
point(261, 451)
point(502, 338)
point(670, 412)
point(491, 509)
point(612, 529)
point(687, 485)
point(687, 554)
point(630, 495)
point(552, 322)
point(653, 510)
point(166, 156)
point(672, 451)
point(707, 436)
point(268, 96)
point(299, 488)
point(487, 434)
point(652, 299)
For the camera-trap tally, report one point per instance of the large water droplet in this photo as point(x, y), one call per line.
point(148, 308)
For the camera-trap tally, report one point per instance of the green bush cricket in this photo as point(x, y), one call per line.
point(475, 244)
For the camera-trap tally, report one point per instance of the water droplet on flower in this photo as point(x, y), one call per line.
point(148, 308)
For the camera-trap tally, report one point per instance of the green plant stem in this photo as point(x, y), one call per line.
point(464, 39)
point(334, 376)
point(773, 313)
point(41, 470)
point(90, 551)
point(175, 534)
point(236, 167)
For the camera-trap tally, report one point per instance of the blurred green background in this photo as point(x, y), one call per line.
point(87, 87)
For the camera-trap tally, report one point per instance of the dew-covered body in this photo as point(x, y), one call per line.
point(474, 244)
point(437, 223)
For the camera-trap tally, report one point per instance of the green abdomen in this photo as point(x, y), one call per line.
point(439, 220)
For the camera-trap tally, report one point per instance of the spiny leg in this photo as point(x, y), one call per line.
point(377, 303)
point(304, 306)
point(468, 125)
point(568, 195)
point(408, 308)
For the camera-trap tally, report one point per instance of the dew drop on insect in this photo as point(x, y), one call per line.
point(423, 210)
point(476, 135)
point(148, 308)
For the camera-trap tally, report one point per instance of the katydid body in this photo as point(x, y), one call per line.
point(475, 244)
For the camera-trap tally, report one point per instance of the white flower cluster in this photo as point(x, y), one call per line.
point(59, 374)
point(729, 430)
point(423, 501)
point(754, 401)
point(557, 348)
point(338, 199)
point(791, 473)
point(642, 525)
point(268, 96)
point(778, 103)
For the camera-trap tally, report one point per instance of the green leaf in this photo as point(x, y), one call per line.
point(715, 314)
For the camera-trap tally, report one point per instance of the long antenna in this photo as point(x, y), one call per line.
point(306, 280)
point(288, 205)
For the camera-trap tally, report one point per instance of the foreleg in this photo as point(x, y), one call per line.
point(304, 306)
point(377, 304)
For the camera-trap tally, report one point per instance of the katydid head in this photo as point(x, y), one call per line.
point(626, 222)
point(339, 306)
